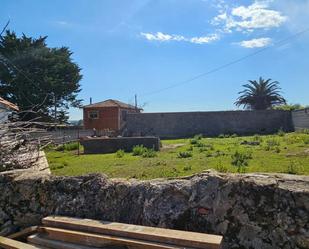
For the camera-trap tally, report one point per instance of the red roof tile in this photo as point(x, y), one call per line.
point(111, 103)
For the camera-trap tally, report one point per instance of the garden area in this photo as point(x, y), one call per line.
point(281, 153)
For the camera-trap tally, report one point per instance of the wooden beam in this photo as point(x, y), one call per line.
point(174, 237)
point(41, 240)
point(7, 243)
point(23, 233)
point(100, 240)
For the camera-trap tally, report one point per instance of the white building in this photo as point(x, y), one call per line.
point(6, 108)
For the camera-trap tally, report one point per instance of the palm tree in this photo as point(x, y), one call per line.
point(260, 95)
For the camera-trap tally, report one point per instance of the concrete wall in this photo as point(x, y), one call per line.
point(301, 119)
point(185, 124)
point(110, 145)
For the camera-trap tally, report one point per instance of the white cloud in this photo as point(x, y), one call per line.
point(159, 36)
point(205, 39)
point(247, 18)
point(256, 43)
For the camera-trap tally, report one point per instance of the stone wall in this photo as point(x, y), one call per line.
point(186, 124)
point(254, 211)
point(301, 119)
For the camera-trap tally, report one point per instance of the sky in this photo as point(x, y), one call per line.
point(157, 48)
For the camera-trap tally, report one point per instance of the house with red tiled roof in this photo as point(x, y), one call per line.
point(6, 108)
point(107, 115)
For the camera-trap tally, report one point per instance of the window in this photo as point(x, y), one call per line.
point(124, 115)
point(93, 114)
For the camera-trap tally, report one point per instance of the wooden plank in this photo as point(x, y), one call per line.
point(175, 237)
point(7, 243)
point(41, 240)
point(23, 233)
point(100, 240)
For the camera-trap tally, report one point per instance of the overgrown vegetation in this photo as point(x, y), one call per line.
point(268, 153)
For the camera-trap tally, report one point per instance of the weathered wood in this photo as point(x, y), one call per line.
point(7, 243)
point(23, 233)
point(100, 240)
point(41, 240)
point(168, 236)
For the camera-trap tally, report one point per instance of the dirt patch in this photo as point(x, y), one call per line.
point(171, 146)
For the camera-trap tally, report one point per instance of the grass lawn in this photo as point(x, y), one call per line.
point(284, 153)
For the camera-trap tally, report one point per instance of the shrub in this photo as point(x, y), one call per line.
point(234, 135)
point(67, 147)
point(138, 150)
point(184, 154)
point(193, 141)
point(120, 153)
point(198, 137)
point(221, 136)
point(241, 160)
point(149, 153)
point(200, 144)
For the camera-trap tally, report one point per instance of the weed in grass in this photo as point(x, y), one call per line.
point(281, 132)
point(149, 153)
point(292, 168)
point(306, 140)
point(209, 154)
point(120, 153)
point(277, 150)
point(184, 154)
point(221, 168)
point(303, 131)
point(138, 150)
point(257, 138)
point(190, 148)
point(241, 160)
point(272, 143)
point(187, 168)
point(203, 149)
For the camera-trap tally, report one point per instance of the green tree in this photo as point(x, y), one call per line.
point(260, 95)
point(42, 81)
point(291, 107)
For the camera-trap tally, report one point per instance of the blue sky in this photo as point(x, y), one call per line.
point(139, 47)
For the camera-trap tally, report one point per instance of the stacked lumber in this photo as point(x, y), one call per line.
point(68, 233)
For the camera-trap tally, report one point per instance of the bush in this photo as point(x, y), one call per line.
point(234, 135)
point(184, 154)
point(241, 160)
point(198, 137)
point(221, 168)
point(138, 150)
point(149, 153)
point(67, 147)
point(120, 153)
point(257, 138)
point(303, 131)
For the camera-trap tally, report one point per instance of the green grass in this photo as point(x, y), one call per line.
point(284, 153)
